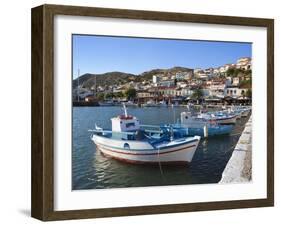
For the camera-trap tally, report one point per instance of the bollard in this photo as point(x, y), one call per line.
point(205, 131)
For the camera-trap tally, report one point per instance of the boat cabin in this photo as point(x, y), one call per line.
point(124, 123)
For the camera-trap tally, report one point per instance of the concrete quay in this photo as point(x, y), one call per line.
point(239, 167)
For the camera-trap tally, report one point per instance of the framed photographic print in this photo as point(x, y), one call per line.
point(141, 112)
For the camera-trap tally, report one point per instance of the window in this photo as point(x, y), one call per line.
point(126, 146)
point(130, 124)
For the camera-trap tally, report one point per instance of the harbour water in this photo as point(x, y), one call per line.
point(92, 170)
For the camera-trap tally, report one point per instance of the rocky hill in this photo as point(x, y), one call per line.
point(117, 78)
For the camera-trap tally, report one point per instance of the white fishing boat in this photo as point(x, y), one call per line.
point(202, 126)
point(128, 142)
point(219, 117)
point(239, 111)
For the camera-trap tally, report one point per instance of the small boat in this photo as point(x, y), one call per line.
point(162, 104)
point(150, 103)
point(128, 141)
point(201, 126)
point(240, 112)
point(106, 103)
point(131, 104)
point(221, 118)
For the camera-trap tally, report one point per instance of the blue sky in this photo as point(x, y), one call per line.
point(100, 54)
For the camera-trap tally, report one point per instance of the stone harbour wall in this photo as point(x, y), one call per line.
point(239, 167)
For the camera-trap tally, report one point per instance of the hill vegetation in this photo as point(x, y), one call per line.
point(118, 78)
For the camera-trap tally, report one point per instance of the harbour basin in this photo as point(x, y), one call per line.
point(92, 170)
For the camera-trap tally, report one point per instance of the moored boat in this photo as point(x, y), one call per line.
point(128, 142)
point(202, 126)
point(219, 117)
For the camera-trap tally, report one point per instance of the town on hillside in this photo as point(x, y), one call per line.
point(227, 84)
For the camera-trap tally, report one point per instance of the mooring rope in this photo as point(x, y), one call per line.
point(160, 166)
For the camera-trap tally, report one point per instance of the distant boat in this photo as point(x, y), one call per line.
point(221, 118)
point(201, 126)
point(150, 103)
point(106, 103)
point(131, 142)
point(131, 104)
point(162, 104)
point(241, 111)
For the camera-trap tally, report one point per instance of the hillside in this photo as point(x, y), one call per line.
point(117, 78)
point(88, 80)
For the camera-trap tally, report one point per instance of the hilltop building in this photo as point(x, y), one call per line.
point(244, 63)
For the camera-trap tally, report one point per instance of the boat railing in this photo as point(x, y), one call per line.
point(109, 131)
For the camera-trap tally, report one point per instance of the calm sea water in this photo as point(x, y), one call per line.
point(90, 169)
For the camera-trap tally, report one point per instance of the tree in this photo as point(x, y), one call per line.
point(119, 95)
point(197, 94)
point(230, 71)
point(233, 72)
point(100, 96)
point(109, 96)
point(249, 93)
point(130, 93)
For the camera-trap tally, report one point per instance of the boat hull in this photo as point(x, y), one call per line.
point(212, 131)
point(245, 113)
point(226, 121)
point(175, 154)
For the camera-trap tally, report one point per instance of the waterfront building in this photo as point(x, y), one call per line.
point(235, 91)
point(185, 92)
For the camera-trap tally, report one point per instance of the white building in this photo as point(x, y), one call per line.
point(217, 89)
point(167, 83)
point(209, 72)
point(184, 75)
point(185, 92)
point(156, 79)
point(216, 72)
point(235, 81)
point(235, 91)
point(244, 63)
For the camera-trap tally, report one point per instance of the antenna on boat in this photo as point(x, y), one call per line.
point(171, 133)
point(125, 110)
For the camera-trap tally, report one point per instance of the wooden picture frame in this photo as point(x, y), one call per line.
point(42, 203)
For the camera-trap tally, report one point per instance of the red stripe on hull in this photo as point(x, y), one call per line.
point(146, 162)
point(156, 153)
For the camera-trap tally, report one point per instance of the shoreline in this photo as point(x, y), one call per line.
point(239, 167)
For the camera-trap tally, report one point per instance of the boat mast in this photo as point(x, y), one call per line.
point(125, 110)
point(78, 85)
point(95, 85)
